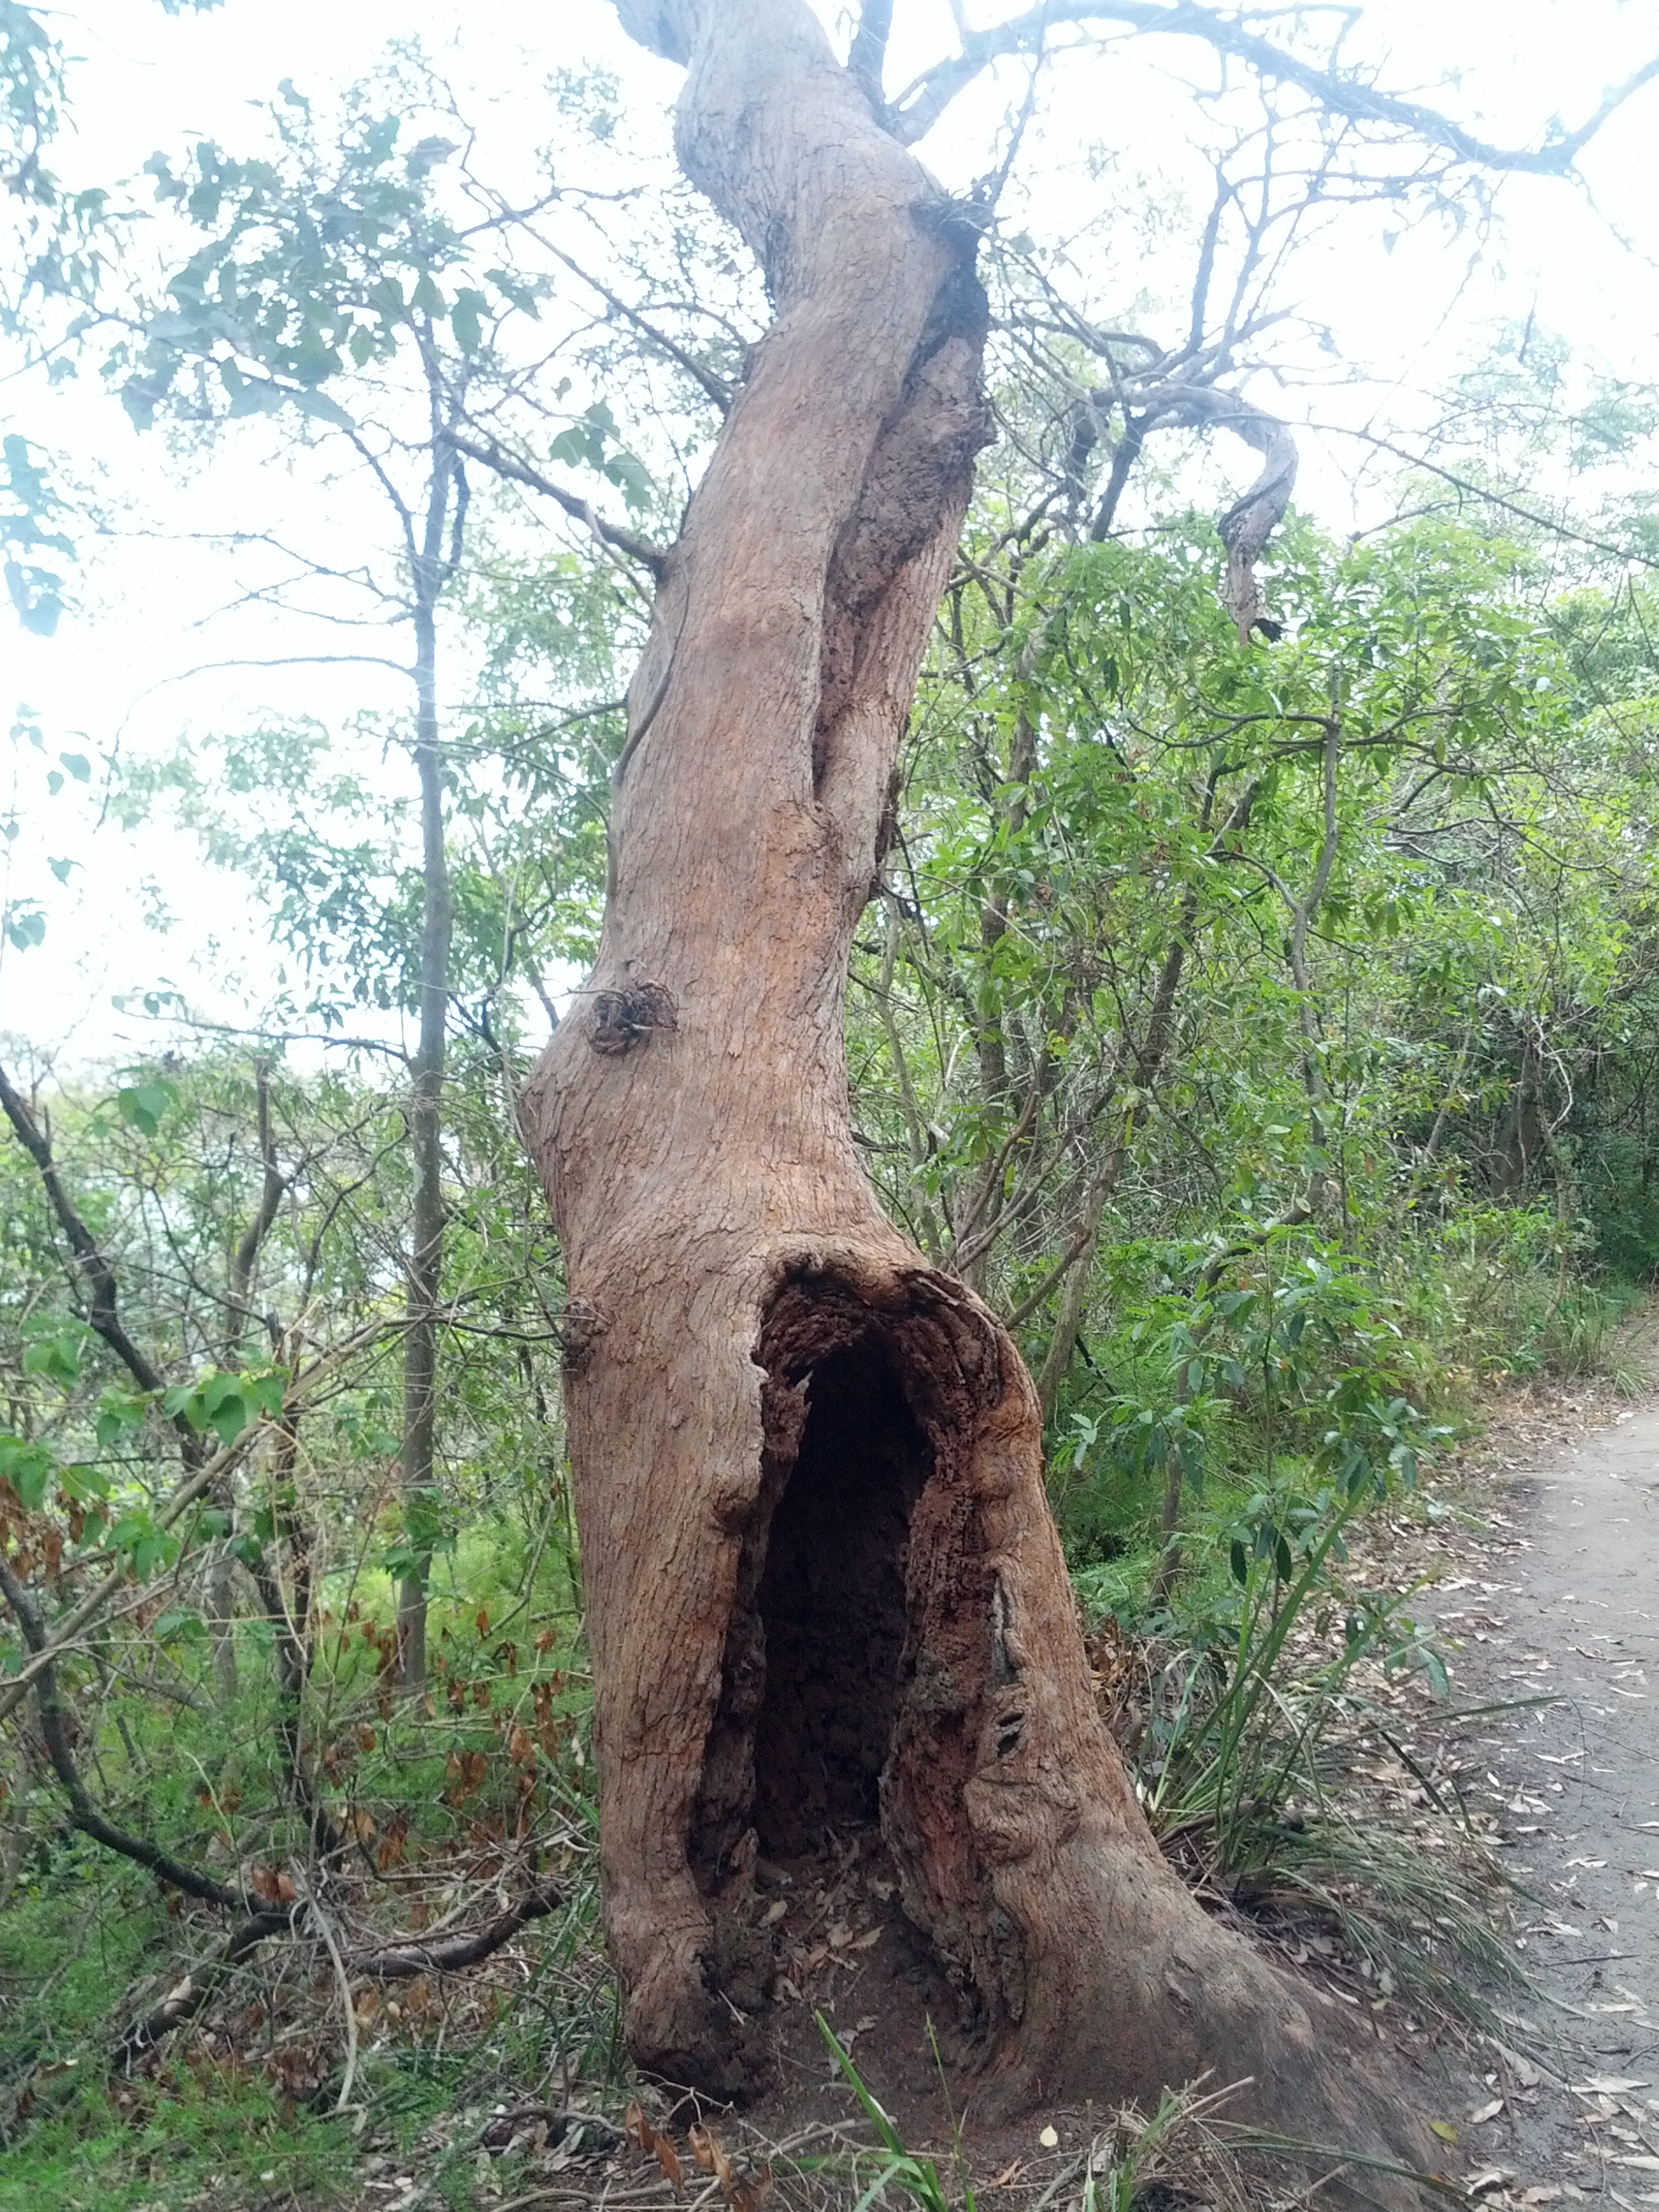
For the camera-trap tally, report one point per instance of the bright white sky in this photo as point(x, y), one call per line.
point(119, 670)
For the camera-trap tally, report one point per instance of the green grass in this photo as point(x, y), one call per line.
point(207, 2126)
point(215, 2142)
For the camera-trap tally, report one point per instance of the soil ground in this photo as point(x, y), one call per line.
point(1555, 1598)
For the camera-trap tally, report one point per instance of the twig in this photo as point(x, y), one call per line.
point(326, 1930)
point(398, 1961)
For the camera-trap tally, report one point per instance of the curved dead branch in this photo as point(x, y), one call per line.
point(1250, 521)
point(1248, 524)
point(400, 1961)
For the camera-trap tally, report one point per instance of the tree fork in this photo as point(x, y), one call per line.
point(758, 1365)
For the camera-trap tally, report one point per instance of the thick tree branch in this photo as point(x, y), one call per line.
point(662, 27)
point(1247, 525)
point(609, 533)
point(868, 57)
point(1342, 92)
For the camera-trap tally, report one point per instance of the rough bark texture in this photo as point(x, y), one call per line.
point(823, 1582)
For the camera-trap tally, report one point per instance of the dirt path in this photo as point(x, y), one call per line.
point(1560, 1602)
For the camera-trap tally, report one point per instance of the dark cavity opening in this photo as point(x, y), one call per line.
point(831, 1604)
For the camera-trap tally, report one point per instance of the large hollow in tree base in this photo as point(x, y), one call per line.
point(896, 1644)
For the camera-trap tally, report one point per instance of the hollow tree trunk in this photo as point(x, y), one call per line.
point(821, 1571)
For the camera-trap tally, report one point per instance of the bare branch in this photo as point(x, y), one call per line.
point(713, 387)
point(270, 1197)
point(412, 1955)
point(400, 1961)
point(1342, 92)
point(868, 56)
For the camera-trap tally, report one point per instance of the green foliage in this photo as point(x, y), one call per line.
point(330, 253)
point(28, 505)
point(356, 241)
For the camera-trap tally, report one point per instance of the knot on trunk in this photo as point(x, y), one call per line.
point(618, 1020)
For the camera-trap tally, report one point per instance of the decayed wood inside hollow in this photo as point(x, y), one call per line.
point(832, 1607)
point(815, 1647)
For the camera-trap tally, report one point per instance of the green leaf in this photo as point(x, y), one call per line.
point(118, 1414)
point(183, 1402)
point(25, 925)
point(321, 408)
point(466, 318)
point(229, 1417)
point(263, 1392)
point(633, 479)
point(85, 1485)
point(143, 1105)
point(29, 1468)
point(176, 1624)
point(53, 1348)
point(153, 1550)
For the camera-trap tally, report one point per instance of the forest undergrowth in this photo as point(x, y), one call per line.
point(1292, 1729)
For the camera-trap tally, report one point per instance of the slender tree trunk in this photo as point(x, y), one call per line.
point(426, 1129)
point(822, 1580)
point(985, 1198)
point(222, 1572)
